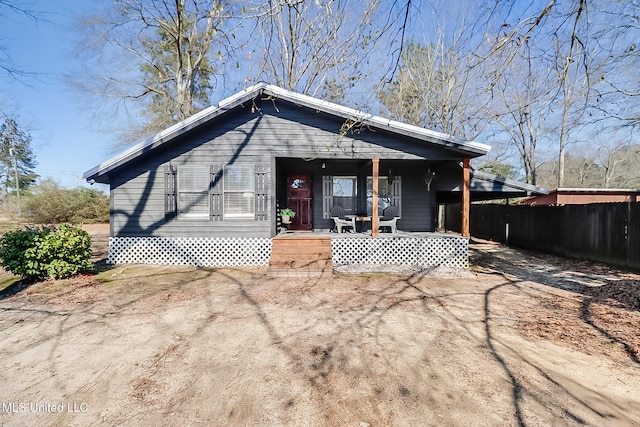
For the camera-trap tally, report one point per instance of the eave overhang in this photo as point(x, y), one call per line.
point(100, 172)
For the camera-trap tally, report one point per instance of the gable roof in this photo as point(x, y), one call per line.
point(471, 148)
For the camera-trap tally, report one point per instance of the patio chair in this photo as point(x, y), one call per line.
point(389, 218)
point(338, 217)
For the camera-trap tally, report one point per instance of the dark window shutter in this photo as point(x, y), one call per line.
point(216, 208)
point(262, 193)
point(327, 196)
point(396, 194)
point(170, 192)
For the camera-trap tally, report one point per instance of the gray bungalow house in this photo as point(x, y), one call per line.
point(207, 191)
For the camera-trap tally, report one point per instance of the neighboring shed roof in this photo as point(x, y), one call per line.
point(577, 196)
point(469, 148)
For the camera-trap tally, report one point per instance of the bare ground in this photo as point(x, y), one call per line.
point(527, 340)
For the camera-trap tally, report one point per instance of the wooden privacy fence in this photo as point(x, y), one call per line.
point(604, 232)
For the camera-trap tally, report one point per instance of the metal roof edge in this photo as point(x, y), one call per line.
point(368, 118)
point(596, 190)
point(508, 181)
point(173, 131)
point(155, 140)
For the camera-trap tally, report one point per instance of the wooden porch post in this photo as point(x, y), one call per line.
point(374, 204)
point(466, 197)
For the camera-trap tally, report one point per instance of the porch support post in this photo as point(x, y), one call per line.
point(374, 205)
point(466, 197)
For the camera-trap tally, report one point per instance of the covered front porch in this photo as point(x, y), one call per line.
point(363, 188)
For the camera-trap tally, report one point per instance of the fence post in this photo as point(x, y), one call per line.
point(627, 240)
point(506, 223)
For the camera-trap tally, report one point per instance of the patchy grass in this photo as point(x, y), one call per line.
point(7, 224)
point(7, 280)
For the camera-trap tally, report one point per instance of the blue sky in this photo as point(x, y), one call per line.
point(64, 137)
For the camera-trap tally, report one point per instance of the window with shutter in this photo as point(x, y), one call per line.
point(193, 191)
point(339, 191)
point(388, 194)
point(239, 192)
point(216, 206)
point(170, 196)
point(261, 193)
point(327, 196)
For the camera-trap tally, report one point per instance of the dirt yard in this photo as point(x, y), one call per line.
point(526, 340)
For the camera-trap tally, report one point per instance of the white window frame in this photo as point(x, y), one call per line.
point(193, 181)
point(328, 193)
point(394, 195)
point(232, 188)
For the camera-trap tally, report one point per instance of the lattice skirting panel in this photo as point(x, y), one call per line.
point(198, 251)
point(425, 252)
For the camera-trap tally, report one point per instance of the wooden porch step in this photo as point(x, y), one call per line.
point(308, 256)
point(311, 264)
point(300, 256)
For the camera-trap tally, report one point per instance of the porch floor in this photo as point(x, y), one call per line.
point(362, 235)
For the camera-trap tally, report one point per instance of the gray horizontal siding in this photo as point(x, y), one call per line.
point(139, 210)
point(242, 136)
point(213, 229)
point(292, 132)
point(418, 205)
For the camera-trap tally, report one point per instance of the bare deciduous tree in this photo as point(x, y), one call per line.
point(572, 66)
point(524, 93)
point(158, 53)
point(17, 8)
point(309, 46)
point(619, 165)
point(436, 86)
point(618, 95)
point(582, 171)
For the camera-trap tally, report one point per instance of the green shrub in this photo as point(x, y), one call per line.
point(17, 251)
point(36, 253)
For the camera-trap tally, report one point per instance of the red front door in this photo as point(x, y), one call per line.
point(299, 199)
